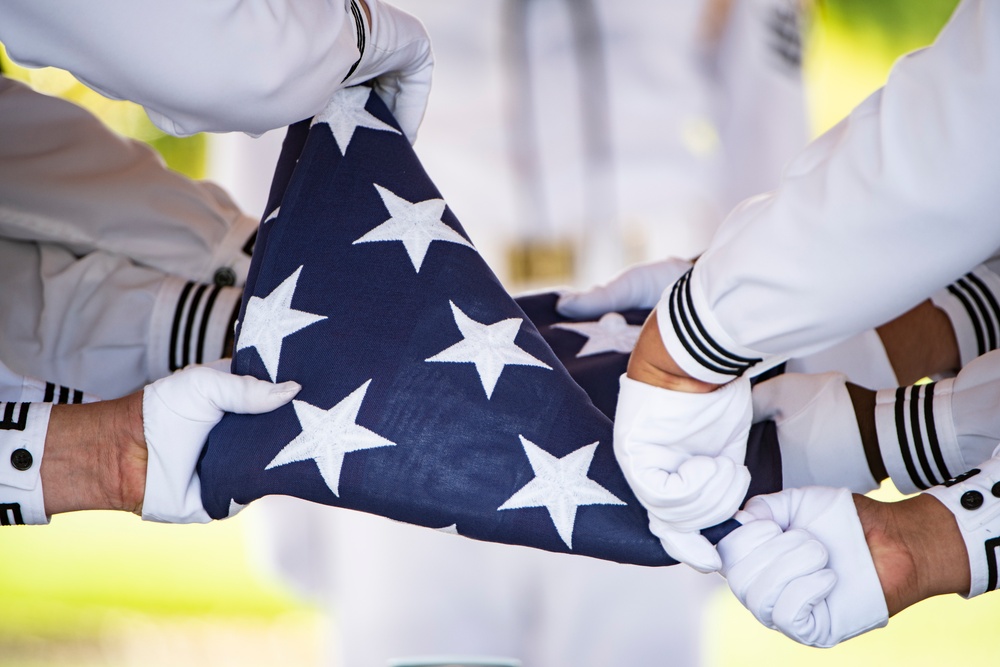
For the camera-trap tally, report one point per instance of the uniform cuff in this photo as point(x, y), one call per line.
point(189, 325)
point(23, 427)
point(971, 304)
point(916, 435)
point(974, 499)
point(232, 257)
point(696, 342)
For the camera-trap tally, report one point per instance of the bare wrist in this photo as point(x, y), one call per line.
point(652, 364)
point(95, 457)
point(917, 549)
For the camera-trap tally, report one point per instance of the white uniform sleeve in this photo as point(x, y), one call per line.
point(103, 323)
point(893, 203)
point(66, 179)
point(231, 58)
point(25, 405)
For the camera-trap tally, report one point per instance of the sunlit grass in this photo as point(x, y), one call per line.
point(69, 574)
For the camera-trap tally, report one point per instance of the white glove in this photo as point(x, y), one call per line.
point(398, 62)
point(683, 456)
point(178, 412)
point(801, 565)
point(639, 286)
point(817, 431)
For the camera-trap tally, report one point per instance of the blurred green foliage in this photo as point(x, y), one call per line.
point(187, 155)
point(899, 25)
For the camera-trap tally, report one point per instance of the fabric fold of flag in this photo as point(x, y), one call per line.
point(429, 395)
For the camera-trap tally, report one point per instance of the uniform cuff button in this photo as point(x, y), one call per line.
point(972, 500)
point(225, 277)
point(21, 459)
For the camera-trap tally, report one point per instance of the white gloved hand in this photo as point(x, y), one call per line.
point(817, 431)
point(683, 455)
point(398, 62)
point(801, 565)
point(930, 433)
point(178, 412)
point(639, 286)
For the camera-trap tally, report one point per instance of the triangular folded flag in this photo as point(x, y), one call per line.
point(428, 395)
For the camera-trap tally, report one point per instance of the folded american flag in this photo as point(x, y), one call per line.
point(429, 395)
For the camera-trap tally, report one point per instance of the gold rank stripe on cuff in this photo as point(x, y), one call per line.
point(696, 340)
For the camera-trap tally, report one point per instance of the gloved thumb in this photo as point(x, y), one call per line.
point(689, 548)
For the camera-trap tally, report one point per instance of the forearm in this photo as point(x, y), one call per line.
point(95, 457)
point(241, 65)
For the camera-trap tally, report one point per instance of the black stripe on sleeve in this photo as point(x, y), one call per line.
point(359, 26)
point(696, 339)
point(203, 327)
point(10, 514)
point(994, 307)
point(932, 436)
point(175, 328)
point(984, 318)
point(50, 391)
point(904, 445)
point(991, 562)
point(189, 326)
point(9, 423)
point(918, 440)
point(63, 395)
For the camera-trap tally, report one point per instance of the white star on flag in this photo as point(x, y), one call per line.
point(269, 320)
point(327, 435)
point(609, 334)
point(416, 225)
point(490, 347)
point(346, 112)
point(560, 486)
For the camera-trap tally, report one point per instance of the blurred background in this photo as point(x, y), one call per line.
point(103, 589)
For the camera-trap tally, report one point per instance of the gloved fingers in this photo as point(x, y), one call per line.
point(202, 394)
point(744, 574)
point(802, 611)
point(746, 539)
point(405, 93)
point(801, 559)
point(691, 548)
point(244, 394)
point(637, 287)
point(702, 493)
point(400, 61)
